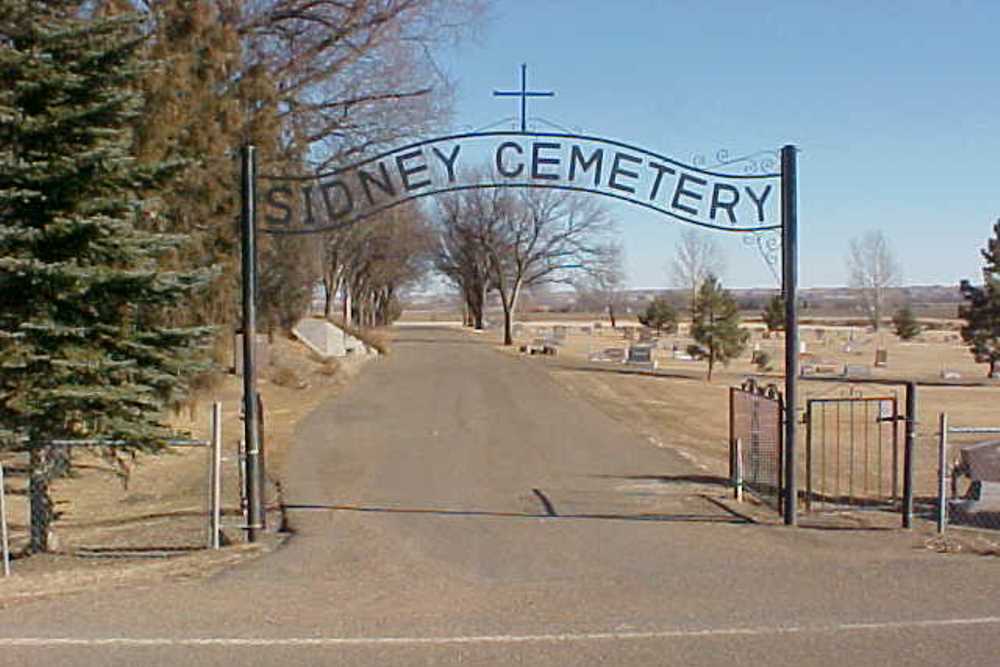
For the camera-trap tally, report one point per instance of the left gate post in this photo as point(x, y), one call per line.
point(248, 227)
point(789, 265)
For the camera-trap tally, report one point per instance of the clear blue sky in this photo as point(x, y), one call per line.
point(895, 107)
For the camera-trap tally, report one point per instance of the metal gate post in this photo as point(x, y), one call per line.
point(738, 470)
point(908, 447)
point(215, 521)
point(248, 220)
point(4, 538)
point(809, 455)
point(790, 260)
point(732, 434)
point(942, 509)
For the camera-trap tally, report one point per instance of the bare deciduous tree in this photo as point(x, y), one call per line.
point(370, 264)
point(602, 284)
point(460, 255)
point(354, 75)
point(538, 236)
point(696, 257)
point(872, 269)
point(528, 237)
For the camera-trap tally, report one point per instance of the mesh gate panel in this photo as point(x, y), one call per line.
point(756, 421)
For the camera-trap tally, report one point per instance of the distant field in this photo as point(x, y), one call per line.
point(937, 316)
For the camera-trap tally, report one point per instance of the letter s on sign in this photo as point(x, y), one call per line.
point(276, 203)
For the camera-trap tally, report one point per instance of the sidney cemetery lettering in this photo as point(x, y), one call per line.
point(733, 202)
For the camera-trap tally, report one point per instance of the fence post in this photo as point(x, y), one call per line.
point(908, 447)
point(737, 458)
point(215, 485)
point(942, 509)
point(732, 433)
point(809, 455)
point(4, 538)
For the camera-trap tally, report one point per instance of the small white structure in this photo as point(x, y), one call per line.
point(327, 339)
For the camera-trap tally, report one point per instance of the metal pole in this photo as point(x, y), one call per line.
point(216, 519)
point(524, 97)
point(4, 538)
point(790, 260)
point(908, 446)
point(255, 514)
point(809, 455)
point(732, 434)
point(942, 509)
point(738, 470)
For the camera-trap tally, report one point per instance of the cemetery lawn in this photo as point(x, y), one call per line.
point(155, 525)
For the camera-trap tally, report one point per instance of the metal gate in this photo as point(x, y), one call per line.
point(755, 420)
point(853, 454)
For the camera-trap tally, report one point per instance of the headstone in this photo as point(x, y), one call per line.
point(615, 353)
point(681, 355)
point(820, 334)
point(640, 354)
point(802, 347)
point(857, 371)
point(881, 358)
point(610, 354)
point(262, 353)
point(950, 375)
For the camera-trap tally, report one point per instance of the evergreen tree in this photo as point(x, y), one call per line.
point(716, 326)
point(982, 308)
point(191, 116)
point(659, 315)
point(80, 285)
point(774, 314)
point(905, 323)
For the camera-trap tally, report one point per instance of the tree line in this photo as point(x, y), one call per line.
point(120, 125)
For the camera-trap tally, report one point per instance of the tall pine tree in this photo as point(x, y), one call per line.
point(716, 325)
point(982, 308)
point(80, 282)
point(191, 115)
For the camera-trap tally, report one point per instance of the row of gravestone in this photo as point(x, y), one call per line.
point(634, 355)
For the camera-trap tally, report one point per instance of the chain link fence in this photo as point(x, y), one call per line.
point(65, 497)
point(968, 479)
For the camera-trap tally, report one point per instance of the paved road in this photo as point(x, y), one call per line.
point(455, 506)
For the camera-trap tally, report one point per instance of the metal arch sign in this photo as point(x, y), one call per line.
point(748, 202)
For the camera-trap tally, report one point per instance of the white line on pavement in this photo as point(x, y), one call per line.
point(487, 639)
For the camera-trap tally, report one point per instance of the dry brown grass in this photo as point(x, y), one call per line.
point(165, 503)
point(679, 408)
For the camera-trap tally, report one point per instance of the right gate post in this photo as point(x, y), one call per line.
point(789, 265)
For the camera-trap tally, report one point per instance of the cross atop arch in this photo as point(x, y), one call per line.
point(524, 94)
